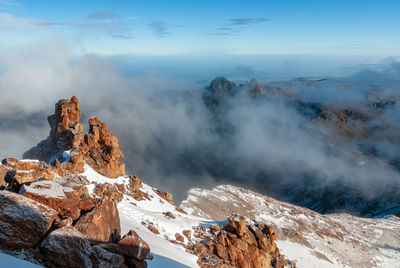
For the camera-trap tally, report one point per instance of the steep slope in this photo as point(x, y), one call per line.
point(311, 239)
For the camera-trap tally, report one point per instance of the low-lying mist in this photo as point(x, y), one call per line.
point(174, 142)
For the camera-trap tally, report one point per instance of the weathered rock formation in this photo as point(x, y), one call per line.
point(99, 148)
point(238, 244)
point(99, 224)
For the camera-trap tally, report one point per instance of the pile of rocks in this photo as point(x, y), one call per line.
point(238, 244)
point(93, 241)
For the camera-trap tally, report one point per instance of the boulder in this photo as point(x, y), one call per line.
point(66, 247)
point(20, 172)
point(53, 195)
point(106, 259)
point(135, 263)
point(165, 195)
point(108, 190)
point(23, 222)
point(236, 223)
point(131, 245)
point(100, 223)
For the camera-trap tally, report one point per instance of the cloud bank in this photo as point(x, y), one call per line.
point(171, 138)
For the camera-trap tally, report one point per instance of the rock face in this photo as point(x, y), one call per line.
point(99, 148)
point(102, 151)
point(62, 199)
point(66, 247)
point(220, 91)
point(132, 247)
point(23, 222)
point(17, 172)
point(66, 129)
point(99, 224)
point(3, 174)
point(240, 245)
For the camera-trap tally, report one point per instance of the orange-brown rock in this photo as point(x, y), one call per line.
point(108, 190)
point(165, 195)
point(169, 215)
point(238, 245)
point(66, 129)
point(3, 173)
point(53, 195)
point(135, 182)
point(102, 151)
point(237, 224)
point(131, 245)
point(179, 237)
point(20, 172)
point(100, 223)
point(188, 234)
point(99, 148)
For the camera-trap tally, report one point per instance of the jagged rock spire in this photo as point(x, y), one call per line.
point(99, 148)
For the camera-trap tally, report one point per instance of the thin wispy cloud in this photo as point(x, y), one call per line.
point(102, 27)
point(160, 28)
point(9, 3)
point(235, 25)
point(246, 21)
point(57, 23)
point(102, 15)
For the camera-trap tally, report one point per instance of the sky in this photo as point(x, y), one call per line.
point(218, 27)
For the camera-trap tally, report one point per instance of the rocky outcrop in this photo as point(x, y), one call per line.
point(221, 90)
point(64, 200)
point(132, 247)
point(23, 222)
point(165, 195)
point(17, 172)
point(66, 247)
point(3, 174)
point(66, 129)
point(99, 224)
point(99, 148)
point(238, 244)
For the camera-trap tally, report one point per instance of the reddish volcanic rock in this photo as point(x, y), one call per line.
point(3, 173)
point(102, 151)
point(23, 222)
point(99, 148)
point(131, 245)
point(53, 195)
point(66, 129)
point(100, 223)
point(108, 190)
point(239, 245)
point(238, 224)
point(165, 195)
point(21, 172)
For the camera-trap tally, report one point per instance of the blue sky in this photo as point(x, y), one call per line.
point(156, 27)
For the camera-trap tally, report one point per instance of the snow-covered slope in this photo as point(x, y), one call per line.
point(136, 215)
point(309, 238)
